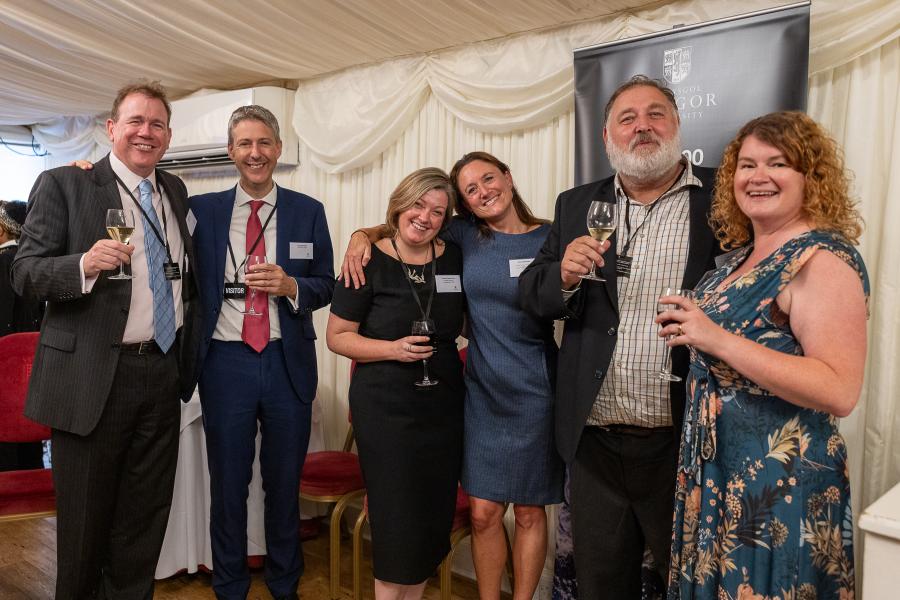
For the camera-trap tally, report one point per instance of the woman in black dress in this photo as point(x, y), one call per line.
point(409, 434)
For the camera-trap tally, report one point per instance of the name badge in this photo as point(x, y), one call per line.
point(623, 265)
point(171, 270)
point(235, 291)
point(517, 265)
point(447, 283)
point(301, 250)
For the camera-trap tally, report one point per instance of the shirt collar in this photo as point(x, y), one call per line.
point(687, 179)
point(129, 178)
point(9, 243)
point(241, 197)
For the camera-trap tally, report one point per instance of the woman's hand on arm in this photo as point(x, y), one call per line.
point(342, 337)
point(358, 254)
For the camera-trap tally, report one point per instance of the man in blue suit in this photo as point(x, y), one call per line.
point(257, 350)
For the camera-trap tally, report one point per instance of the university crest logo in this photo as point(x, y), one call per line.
point(677, 64)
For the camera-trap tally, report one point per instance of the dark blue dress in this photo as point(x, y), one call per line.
point(762, 496)
point(509, 449)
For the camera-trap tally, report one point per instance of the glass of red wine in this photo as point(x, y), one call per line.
point(424, 327)
point(665, 371)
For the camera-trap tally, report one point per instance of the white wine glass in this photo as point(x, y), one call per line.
point(120, 227)
point(252, 260)
point(601, 223)
point(665, 371)
point(424, 327)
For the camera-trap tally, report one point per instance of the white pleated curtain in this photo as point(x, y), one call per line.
point(363, 129)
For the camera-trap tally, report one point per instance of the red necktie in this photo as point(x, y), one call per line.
point(256, 328)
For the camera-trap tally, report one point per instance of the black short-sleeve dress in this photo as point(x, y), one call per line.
point(409, 438)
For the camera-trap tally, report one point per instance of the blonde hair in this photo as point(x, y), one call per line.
point(414, 186)
point(810, 151)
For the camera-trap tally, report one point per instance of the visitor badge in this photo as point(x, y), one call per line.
point(301, 250)
point(447, 283)
point(517, 265)
point(191, 221)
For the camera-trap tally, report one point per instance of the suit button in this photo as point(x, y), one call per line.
point(611, 331)
point(125, 310)
point(598, 374)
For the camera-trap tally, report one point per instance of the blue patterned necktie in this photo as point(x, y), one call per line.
point(163, 304)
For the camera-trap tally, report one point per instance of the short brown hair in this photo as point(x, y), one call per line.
point(637, 81)
point(145, 87)
point(414, 186)
point(522, 211)
point(810, 151)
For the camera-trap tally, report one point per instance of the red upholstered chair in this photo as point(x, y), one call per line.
point(27, 493)
point(333, 476)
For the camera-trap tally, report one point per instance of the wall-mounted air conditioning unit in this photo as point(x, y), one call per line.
point(200, 126)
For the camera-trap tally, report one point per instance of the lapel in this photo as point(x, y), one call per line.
point(701, 240)
point(283, 226)
point(224, 207)
point(178, 205)
point(607, 192)
point(107, 195)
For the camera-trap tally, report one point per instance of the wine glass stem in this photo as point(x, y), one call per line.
point(667, 357)
point(425, 369)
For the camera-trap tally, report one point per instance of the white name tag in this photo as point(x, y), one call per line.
point(301, 250)
point(191, 221)
point(517, 265)
point(447, 283)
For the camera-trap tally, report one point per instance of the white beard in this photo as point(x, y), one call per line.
point(645, 167)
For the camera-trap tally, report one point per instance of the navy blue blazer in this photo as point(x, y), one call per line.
point(300, 218)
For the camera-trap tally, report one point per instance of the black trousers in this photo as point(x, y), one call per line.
point(114, 486)
point(622, 491)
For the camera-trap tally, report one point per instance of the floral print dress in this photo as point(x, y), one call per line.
point(762, 499)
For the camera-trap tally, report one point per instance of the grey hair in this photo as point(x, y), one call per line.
point(256, 113)
point(636, 81)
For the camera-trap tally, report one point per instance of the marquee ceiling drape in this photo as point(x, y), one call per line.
point(59, 57)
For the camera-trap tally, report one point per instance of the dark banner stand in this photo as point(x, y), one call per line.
point(723, 73)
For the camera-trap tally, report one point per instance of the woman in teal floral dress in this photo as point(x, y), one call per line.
point(778, 343)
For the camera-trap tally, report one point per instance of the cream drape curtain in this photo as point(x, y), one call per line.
point(858, 102)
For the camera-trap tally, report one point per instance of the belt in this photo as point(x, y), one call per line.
point(633, 430)
point(147, 347)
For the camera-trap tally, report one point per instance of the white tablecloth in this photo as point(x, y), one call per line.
point(187, 544)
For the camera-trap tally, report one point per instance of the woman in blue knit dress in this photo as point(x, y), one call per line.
point(509, 450)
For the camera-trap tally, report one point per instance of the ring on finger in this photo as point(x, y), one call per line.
point(680, 329)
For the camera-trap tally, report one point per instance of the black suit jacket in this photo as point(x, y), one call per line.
point(78, 351)
point(592, 317)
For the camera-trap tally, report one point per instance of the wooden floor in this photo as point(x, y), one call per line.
point(28, 570)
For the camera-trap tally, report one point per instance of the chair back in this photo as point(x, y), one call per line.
point(16, 356)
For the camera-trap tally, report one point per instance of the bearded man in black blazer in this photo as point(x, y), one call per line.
point(114, 355)
point(617, 426)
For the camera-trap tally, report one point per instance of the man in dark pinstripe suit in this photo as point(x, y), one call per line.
point(114, 355)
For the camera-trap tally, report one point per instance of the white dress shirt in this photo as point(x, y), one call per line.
point(231, 319)
point(139, 326)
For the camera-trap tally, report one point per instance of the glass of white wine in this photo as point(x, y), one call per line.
point(120, 227)
point(601, 223)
